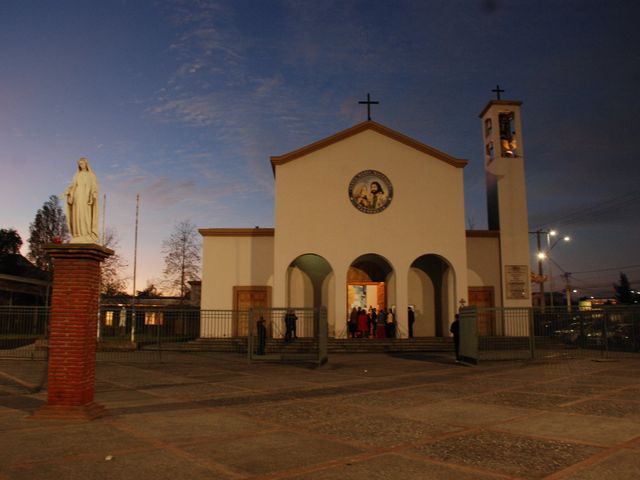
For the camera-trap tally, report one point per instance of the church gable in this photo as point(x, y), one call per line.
point(359, 128)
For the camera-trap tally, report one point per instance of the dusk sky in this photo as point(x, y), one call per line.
point(183, 102)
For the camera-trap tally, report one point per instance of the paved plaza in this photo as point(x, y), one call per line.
point(360, 416)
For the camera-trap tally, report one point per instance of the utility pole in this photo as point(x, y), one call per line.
point(567, 290)
point(540, 275)
point(135, 266)
point(544, 255)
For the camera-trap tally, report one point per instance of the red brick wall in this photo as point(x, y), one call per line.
point(73, 323)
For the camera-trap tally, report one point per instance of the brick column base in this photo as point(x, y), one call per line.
point(72, 337)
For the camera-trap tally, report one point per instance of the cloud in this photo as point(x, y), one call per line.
point(196, 111)
point(267, 85)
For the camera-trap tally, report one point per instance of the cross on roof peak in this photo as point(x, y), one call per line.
point(368, 103)
point(498, 91)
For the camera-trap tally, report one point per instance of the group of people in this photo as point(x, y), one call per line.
point(371, 323)
point(362, 324)
point(290, 324)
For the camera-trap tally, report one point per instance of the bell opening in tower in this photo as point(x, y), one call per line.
point(508, 143)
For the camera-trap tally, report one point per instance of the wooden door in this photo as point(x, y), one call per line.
point(245, 298)
point(483, 297)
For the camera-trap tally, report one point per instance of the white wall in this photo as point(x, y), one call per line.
point(234, 257)
point(313, 214)
point(483, 257)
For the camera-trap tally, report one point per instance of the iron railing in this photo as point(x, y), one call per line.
point(276, 335)
point(24, 332)
point(508, 333)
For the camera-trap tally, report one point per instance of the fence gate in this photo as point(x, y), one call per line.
point(468, 323)
point(288, 335)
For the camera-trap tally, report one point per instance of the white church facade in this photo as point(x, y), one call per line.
point(370, 217)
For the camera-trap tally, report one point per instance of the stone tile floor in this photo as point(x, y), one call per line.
point(361, 416)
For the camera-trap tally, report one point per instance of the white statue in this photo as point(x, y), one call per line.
point(82, 204)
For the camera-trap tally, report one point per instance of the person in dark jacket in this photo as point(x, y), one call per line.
point(455, 331)
point(290, 319)
point(262, 335)
point(412, 319)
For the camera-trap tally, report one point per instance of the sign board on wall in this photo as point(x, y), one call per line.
point(517, 281)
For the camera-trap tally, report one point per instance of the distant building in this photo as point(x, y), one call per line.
point(175, 316)
point(21, 283)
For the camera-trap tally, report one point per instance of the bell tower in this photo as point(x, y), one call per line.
point(506, 195)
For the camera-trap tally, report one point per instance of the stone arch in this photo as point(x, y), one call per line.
point(431, 292)
point(308, 281)
point(372, 277)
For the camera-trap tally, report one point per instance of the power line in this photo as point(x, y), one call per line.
point(600, 208)
point(626, 267)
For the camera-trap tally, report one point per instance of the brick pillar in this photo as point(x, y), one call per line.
point(72, 337)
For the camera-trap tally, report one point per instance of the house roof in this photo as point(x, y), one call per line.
point(359, 128)
point(16, 265)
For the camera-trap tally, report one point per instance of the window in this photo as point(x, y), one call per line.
point(153, 318)
point(490, 152)
point(488, 127)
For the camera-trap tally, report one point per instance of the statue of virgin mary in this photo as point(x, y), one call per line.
point(82, 204)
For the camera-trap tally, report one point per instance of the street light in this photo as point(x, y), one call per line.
point(566, 238)
point(543, 255)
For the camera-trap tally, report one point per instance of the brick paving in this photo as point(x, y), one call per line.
point(361, 416)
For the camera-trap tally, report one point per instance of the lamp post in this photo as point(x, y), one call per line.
point(567, 290)
point(566, 238)
point(540, 256)
point(544, 254)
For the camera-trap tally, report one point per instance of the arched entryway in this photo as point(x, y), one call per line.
point(370, 283)
point(431, 286)
point(310, 284)
point(307, 281)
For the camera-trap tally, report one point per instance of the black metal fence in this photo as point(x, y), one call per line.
point(24, 332)
point(141, 333)
point(289, 335)
point(496, 332)
point(509, 333)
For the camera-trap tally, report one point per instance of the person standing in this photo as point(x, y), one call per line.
point(455, 331)
point(390, 324)
point(353, 322)
point(381, 324)
point(290, 325)
point(373, 318)
point(363, 323)
point(412, 319)
point(262, 335)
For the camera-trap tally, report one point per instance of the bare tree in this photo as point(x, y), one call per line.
point(182, 258)
point(150, 291)
point(111, 281)
point(49, 226)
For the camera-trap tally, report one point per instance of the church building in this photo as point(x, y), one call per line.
point(370, 217)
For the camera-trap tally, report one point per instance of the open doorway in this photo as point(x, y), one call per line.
point(366, 295)
point(370, 283)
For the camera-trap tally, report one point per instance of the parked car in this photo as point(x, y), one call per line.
point(571, 333)
point(626, 336)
